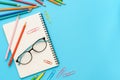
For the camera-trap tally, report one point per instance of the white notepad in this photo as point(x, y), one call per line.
point(42, 55)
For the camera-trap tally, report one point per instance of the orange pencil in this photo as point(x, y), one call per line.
point(17, 8)
point(53, 1)
point(17, 44)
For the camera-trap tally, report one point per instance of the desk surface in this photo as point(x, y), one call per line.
point(86, 37)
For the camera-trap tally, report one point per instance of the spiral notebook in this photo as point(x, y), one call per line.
point(35, 52)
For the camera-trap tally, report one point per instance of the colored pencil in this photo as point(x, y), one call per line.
point(34, 78)
point(54, 2)
point(8, 3)
point(17, 44)
point(59, 1)
point(18, 8)
point(40, 2)
point(25, 2)
point(12, 14)
point(40, 76)
point(12, 37)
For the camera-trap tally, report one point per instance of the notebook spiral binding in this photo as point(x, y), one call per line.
point(50, 41)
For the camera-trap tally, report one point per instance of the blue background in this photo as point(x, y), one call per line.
point(86, 37)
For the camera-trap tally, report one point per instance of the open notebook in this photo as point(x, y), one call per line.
point(35, 52)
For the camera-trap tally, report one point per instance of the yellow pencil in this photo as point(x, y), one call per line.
point(40, 76)
point(18, 8)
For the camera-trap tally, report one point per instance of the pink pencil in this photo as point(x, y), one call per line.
point(39, 1)
point(17, 44)
point(25, 2)
point(13, 34)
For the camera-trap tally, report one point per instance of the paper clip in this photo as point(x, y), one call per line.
point(69, 73)
point(61, 72)
point(47, 16)
point(51, 75)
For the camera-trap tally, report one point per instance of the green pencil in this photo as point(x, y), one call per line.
point(59, 1)
point(34, 78)
point(7, 3)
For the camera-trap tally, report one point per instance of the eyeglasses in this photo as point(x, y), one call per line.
point(26, 57)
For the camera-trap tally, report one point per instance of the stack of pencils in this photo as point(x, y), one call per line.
point(16, 10)
point(57, 2)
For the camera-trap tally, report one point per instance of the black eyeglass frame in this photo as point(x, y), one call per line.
point(29, 49)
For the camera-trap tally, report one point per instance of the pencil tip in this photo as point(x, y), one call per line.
point(25, 23)
point(18, 16)
point(59, 5)
point(44, 5)
point(18, 5)
point(64, 4)
point(37, 6)
point(9, 63)
point(5, 58)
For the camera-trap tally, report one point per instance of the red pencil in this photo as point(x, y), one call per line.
point(17, 44)
point(25, 2)
point(40, 2)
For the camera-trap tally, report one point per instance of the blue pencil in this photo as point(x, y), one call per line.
point(11, 14)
